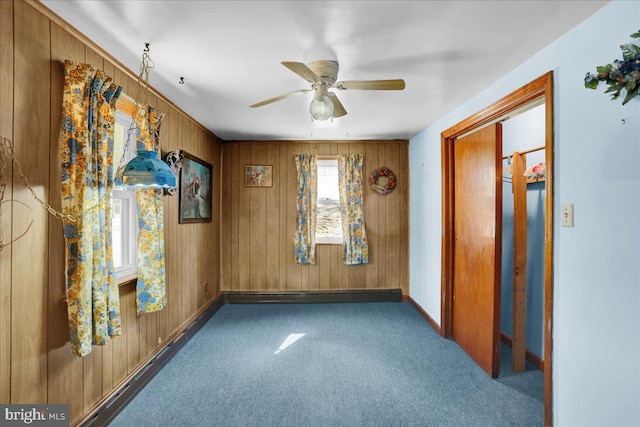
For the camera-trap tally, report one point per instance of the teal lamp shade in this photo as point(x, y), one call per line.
point(147, 171)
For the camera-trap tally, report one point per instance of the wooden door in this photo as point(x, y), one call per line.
point(477, 245)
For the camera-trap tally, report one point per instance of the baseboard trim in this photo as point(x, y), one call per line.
point(529, 355)
point(111, 406)
point(424, 314)
point(386, 295)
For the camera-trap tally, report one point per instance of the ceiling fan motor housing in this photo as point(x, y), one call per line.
point(326, 70)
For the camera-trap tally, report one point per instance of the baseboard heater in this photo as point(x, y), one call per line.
point(385, 295)
point(118, 399)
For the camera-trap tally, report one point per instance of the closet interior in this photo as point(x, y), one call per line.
point(522, 297)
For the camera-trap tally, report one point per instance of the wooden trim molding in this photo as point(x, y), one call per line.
point(519, 186)
point(446, 288)
point(537, 92)
point(548, 251)
point(126, 104)
point(529, 355)
point(426, 316)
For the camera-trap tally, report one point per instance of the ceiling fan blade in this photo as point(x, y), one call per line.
point(338, 108)
point(279, 98)
point(303, 71)
point(395, 84)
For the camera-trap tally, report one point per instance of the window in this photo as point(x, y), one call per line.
point(124, 225)
point(328, 220)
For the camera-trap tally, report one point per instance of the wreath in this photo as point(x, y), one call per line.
point(383, 180)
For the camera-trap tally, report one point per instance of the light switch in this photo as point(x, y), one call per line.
point(567, 215)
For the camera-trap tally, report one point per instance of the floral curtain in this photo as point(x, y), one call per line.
point(355, 249)
point(305, 241)
point(86, 154)
point(151, 285)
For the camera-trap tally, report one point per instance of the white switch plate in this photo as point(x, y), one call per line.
point(567, 215)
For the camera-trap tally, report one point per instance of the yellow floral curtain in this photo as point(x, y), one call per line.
point(86, 154)
point(151, 285)
point(305, 239)
point(355, 249)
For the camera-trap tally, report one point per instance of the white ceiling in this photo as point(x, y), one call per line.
point(229, 53)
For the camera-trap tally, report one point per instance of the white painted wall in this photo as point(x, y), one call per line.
point(596, 367)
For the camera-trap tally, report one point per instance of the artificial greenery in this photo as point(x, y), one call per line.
point(621, 74)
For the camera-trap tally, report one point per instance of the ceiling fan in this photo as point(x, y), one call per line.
point(323, 75)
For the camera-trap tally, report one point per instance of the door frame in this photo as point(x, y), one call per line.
point(532, 94)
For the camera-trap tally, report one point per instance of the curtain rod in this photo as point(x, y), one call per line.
point(531, 150)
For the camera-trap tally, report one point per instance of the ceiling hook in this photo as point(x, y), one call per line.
point(146, 47)
point(181, 81)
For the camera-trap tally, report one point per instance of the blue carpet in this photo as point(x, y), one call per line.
point(360, 364)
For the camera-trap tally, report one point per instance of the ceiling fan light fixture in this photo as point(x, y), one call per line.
point(321, 107)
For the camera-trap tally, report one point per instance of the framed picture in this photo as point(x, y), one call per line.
point(258, 176)
point(196, 190)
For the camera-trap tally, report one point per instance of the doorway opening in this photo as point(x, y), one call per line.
point(523, 222)
point(537, 92)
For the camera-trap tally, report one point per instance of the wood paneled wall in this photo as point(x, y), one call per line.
point(36, 365)
point(258, 223)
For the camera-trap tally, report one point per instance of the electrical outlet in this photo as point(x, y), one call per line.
point(567, 215)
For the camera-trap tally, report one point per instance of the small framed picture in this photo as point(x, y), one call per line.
point(196, 190)
point(258, 176)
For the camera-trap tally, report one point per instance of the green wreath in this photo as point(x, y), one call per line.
point(383, 180)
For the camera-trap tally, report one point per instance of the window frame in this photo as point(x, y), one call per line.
point(129, 247)
point(335, 240)
point(129, 240)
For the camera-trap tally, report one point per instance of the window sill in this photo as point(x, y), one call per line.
point(328, 242)
point(125, 280)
